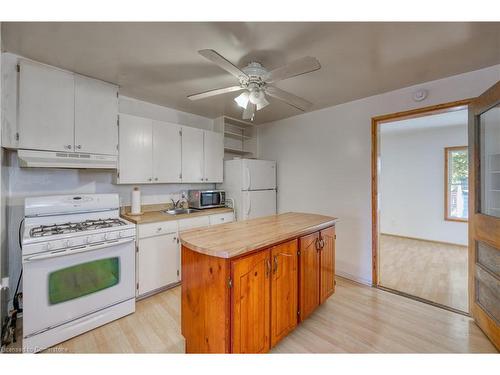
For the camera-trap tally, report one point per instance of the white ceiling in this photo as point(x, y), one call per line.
point(447, 119)
point(159, 63)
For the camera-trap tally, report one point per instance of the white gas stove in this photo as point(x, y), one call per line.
point(78, 266)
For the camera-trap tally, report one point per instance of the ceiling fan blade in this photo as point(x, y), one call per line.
point(249, 111)
point(288, 98)
point(301, 66)
point(214, 57)
point(207, 94)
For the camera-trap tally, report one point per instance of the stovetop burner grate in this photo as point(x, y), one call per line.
point(49, 230)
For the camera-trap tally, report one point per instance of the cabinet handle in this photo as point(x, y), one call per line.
point(275, 264)
point(156, 178)
point(317, 244)
point(68, 147)
point(322, 243)
point(79, 147)
point(150, 179)
point(268, 267)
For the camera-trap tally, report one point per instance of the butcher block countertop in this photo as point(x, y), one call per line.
point(241, 237)
point(154, 214)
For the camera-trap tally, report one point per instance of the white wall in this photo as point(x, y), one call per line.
point(324, 160)
point(412, 183)
point(25, 182)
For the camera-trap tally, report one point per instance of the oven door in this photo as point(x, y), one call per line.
point(210, 199)
point(61, 287)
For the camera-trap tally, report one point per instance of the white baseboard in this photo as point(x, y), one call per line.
point(357, 279)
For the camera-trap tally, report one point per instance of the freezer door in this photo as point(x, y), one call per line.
point(258, 203)
point(258, 174)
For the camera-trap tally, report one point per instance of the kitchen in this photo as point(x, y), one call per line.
point(222, 212)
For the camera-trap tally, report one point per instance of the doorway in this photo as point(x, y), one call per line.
point(419, 202)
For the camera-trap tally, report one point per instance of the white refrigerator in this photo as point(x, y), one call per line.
point(251, 183)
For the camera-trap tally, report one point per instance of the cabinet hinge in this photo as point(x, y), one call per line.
point(137, 286)
point(177, 273)
point(229, 283)
point(18, 68)
point(178, 240)
point(117, 120)
point(117, 147)
point(137, 249)
point(180, 133)
point(298, 252)
point(17, 136)
point(335, 237)
point(117, 94)
point(118, 174)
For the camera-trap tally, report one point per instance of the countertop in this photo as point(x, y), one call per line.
point(237, 238)
point(154, 214)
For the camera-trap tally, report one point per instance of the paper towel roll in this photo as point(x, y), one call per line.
point(136, 202)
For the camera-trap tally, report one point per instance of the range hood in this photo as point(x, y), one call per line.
point(55, 159)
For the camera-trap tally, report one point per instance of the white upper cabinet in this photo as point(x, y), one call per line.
point(166, 152)
point(96, 115)
point(62, 111)
point(213, 150)
point(135, 150)
point(46, 108)
point(192, 155)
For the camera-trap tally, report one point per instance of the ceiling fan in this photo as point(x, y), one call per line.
point(254, 79)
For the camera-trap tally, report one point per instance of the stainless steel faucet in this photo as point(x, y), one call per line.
point(175, 204)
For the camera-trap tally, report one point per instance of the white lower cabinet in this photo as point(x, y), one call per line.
point(158, 260)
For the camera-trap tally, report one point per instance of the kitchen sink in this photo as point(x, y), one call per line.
point(180, 211)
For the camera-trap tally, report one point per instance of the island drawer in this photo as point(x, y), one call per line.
point(156, 229)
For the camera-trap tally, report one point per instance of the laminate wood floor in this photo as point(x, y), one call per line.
point(430, 270)
point(356, 319)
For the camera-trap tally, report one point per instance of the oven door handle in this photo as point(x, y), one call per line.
point(77, 250)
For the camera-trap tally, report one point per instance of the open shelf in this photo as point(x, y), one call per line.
point(236, 151)
point(240, 137)
point(229, 133)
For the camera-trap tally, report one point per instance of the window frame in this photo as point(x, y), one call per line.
point(447, 152)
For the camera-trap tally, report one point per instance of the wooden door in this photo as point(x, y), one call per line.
point(308, 275)
point(251, 303)
point(484, 212)
point(135, 157)
point(96, 116)
point(284, 295)
point(166, 152)
point(192, 154)
point(46, 107)
point(327, 263)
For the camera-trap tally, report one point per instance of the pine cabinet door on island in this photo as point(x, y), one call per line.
point(251, 303)
point(309, 274)
point(327, 263)
point(284, 285)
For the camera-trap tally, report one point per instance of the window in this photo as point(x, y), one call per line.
point(456, 183)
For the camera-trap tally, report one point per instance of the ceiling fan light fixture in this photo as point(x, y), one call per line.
point(242, 99)
point(262, 103)
point(256, 96)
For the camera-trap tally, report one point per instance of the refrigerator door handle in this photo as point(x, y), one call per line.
point(249, 177)
point(249, 205)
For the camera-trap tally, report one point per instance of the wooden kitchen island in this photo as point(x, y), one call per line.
point(247, 284)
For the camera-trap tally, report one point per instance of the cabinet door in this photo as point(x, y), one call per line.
point(96, 115)
point(284, 283)
point(157, 262)
point(213, 149)
point(251, 303)
point(308, 274)
point(327, 263)
point(192, 154)
point(46, 108)
point(136, 150)
point(166, 152)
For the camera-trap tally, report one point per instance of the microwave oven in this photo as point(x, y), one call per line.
point(201, 199)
